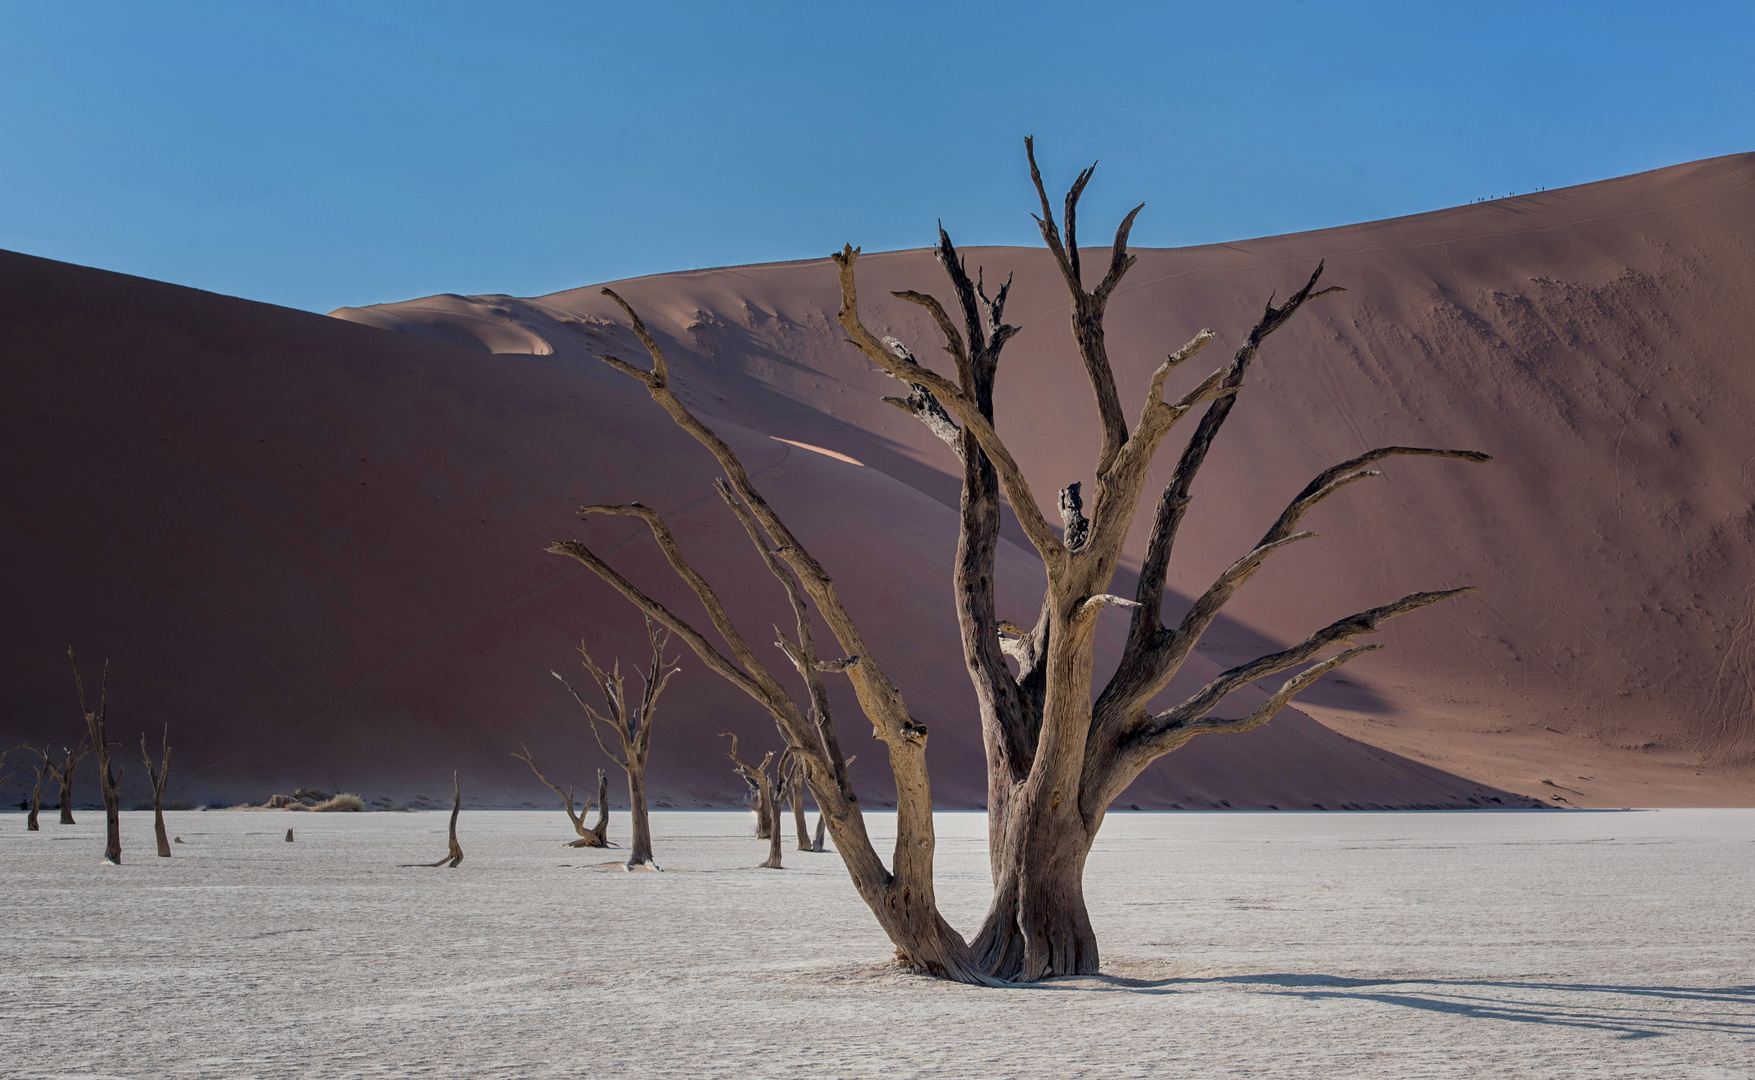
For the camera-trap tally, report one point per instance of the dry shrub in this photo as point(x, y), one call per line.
point(344, 802)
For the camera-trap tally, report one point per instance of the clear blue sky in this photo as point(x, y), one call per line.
point(321, 154)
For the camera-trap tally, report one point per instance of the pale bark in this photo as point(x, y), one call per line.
point(597, 836)
point(1055, 761)
point(599, 831)
point(792, 783)
point(631, 723)
point(455, 855)
point(157, 777)
point(109, 782)
point(767, 799)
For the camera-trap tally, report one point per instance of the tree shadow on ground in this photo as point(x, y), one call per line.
point(1628, 1011)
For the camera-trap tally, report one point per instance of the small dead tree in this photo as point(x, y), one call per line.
point(1060, 746)
point(456, 854)
point(792, 783)
point(70, 758)
point(157, 776)
point(632, 726)
point(44, 768)
point(767, 799)
point(110, 782)
point(597, 835)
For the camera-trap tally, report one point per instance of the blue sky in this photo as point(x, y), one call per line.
point(321, 154)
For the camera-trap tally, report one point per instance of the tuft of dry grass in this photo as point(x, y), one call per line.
point(346, 802)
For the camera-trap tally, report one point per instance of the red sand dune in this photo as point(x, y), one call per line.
point(315, 548)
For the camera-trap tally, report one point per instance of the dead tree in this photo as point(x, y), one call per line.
point(632, 726)
point(792, 783)
point(598, 835)
point(767, 799)
point(456, 854)
point(157, 776)
point(109, 782)
point(44, 768)
point(763, 811)
point(70, 757)
point(1055, 760)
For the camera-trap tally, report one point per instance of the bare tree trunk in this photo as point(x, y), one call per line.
point(456, 854)
point(69, 762)
point(45, 771)
point(456, 805)
point(44, 768)
point(640, 851)
point(817, 842)
point(110, 782)
point(157, 776)
point(761, 810)
point(1037, 924)
point(767, 799)
point(600, 831)
point(798, 820)
point(792, 783)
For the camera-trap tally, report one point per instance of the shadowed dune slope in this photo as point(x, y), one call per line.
point(315, 550)
point(1589, 338)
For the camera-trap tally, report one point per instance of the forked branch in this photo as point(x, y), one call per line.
point(962, 407)
point(1159, 734)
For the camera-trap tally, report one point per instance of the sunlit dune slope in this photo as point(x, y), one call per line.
point(1589, 338)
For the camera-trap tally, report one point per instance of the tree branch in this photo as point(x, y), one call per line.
point(827, 746)
point(1088, 307)
point(696, 641)
point(1281, 697)
point(1011, 477)
point(922, 405)
point(1173, 502)
point(1156, 735)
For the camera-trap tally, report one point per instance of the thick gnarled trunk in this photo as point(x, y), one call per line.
point(1037, 926)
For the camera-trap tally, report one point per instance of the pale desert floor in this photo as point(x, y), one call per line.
point(1555, 944)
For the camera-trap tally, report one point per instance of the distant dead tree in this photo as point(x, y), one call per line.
point(597, 835)
point(767, 799)
point(792, 783)
point(1060, 747)
point(44, 768)
point(632, 726)
point(70, 758)
point(110, 782)
point(157, 775)
point(455, 855)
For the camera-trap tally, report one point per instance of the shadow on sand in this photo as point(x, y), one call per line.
point(1629, 1011)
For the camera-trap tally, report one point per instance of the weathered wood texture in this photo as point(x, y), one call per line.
point(1055, 761)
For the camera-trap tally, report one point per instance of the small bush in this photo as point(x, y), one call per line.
point(344, 802)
